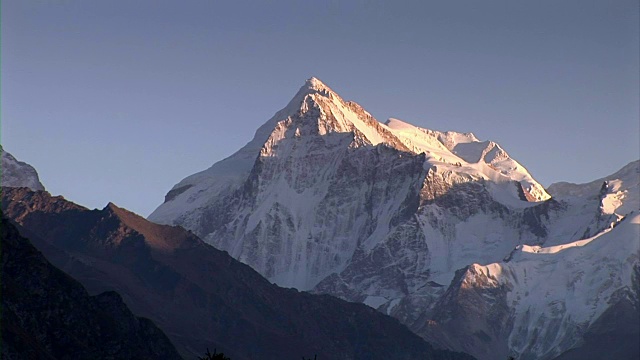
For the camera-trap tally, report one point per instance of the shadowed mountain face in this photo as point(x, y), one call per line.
point(199, 296)
point(615, 335)
point(48, 315)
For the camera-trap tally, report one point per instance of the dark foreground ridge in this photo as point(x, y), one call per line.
point(202, 297)
point(48, 315)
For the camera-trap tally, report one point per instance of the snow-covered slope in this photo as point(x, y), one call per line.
point(16, 173)
point(595, 206)
point(481, 157)
point(327, 198)
point(620, 190)
point(541, 301)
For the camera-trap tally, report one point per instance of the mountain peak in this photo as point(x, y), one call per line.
point(159, 237)
point(316, 84)
point(311, 87)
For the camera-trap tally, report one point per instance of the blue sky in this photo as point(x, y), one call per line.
point(119, 100)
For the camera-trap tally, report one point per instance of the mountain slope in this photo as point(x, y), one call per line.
point(201, 297)
point(16, 173)
point(543, 300)
point(48, 315)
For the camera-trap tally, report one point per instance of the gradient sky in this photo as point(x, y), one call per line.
point(119, 100)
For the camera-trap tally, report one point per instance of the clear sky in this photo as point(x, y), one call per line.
point(119, 100)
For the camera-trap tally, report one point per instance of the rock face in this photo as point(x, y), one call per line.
point(16, 173)
point(48, 315)
point(327, 198)
point(201, 297)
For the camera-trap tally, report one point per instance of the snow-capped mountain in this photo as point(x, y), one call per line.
point(16, 173)
point(327, 198)
point(323, 180)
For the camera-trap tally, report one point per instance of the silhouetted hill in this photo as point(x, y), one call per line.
point(48, 315)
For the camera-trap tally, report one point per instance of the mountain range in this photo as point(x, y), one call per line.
point(444, 232)
point(200, 297)
point(441, 230)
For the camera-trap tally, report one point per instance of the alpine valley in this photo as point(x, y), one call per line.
point(443, 231)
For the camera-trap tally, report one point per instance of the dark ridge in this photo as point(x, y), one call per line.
point(46, 314)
